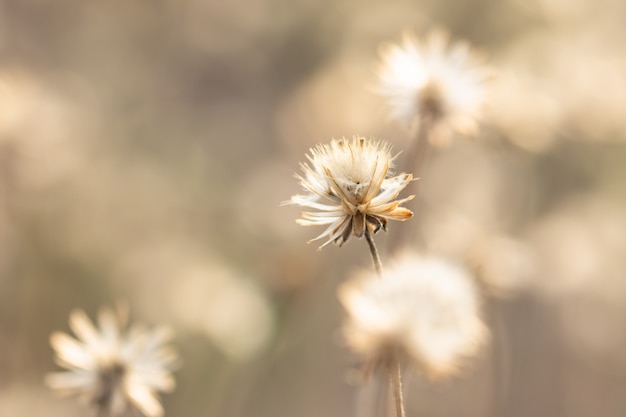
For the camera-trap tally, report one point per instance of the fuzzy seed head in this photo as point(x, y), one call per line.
point(350, 185)
point(423, 310)
point(112, 368)
point(434, 80)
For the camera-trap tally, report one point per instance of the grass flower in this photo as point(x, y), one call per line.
point(112, 368)
point(348, 182)
point(434, 81)
point(423, 311)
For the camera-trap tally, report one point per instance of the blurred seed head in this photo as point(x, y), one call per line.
point(525, 111)
point(423, 309)
point(434, 79)
point(501, 263)
point(181, 280)
point(113, 368)
point(349, 183)
point(562, 84)
point(581, 246)
point(233, 312)
point(39, 123)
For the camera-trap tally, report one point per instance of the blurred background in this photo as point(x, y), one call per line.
point(146, 146)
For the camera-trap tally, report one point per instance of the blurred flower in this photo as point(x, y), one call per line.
point(348, 183)
point(424, 310)
point(581, 247)
point(502, 264)
point(526, 109)
point(58, 134)
point(208, 296)
point(562, 84)
point(20, 98)
point(110, 368)
point(333, 100)
point(233, 312)
point(434, 80)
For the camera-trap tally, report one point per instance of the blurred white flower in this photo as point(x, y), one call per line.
point(209, 296)
point(57, 135)
point(581, 247)
point(434, 80)
point(502, 264)
point(349, 183)
point(112, 368)
point(232, 311)
point(424, 311)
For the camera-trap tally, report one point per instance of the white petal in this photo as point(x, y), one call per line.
point(145, 400)
point(71, 352)
point(110, 329)
point(307, 201)
point(84, 328)
point(391, 188)
point(71, 382)
point(340, 224)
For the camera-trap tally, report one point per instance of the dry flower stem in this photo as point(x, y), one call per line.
point(416, 162)
point(375, 257)
point(395, 381)
point(394, 372)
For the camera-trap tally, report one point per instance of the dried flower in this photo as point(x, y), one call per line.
point(349, 183)
point(112, 368)
point(434, 80)
point(423, 311)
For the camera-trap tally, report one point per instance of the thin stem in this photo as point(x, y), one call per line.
point(394, 373)
point(415, 163)
point(374, 252)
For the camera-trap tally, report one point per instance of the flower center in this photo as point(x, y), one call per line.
point(430, 100)
point(110, 381)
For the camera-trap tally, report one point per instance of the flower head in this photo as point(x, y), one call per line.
point(423, 311)
point(113, 368)
point(348, 183)
point(434, 80)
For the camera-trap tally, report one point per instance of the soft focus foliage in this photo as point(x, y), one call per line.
point(145, 147)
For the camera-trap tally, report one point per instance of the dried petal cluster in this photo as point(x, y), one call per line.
point(434, 80)
point(423, 311)
point(349, 183)
point(113, 368)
